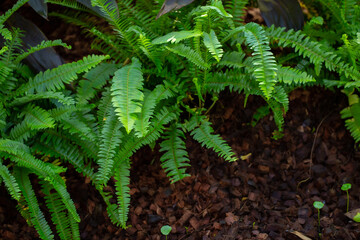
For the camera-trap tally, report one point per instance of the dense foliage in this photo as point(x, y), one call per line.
point(156, 83)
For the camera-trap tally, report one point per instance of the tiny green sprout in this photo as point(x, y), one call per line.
point(318, 205)
point(346, 187)
point(165, 230)
point(356, 218)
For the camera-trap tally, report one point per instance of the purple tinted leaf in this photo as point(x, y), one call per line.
point(40, 7)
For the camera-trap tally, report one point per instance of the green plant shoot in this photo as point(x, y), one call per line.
point(165, 230)
point(318, 205)
point(346, 187)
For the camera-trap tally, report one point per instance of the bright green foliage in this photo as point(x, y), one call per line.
point(263, 59)
point(202, 132)
point(122, 190)
point(158, 70)
point(345, 186)
point(175, 159)
point(110, 140)
point(36, 216)
point(356, 218)
point(318, 205)
point(10, 182)
point(127, 93)
point(213, 45)
point(165, 230)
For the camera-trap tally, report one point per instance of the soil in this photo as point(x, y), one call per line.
point(267, 194)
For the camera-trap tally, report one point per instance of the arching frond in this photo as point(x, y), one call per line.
point(94, 80)
point(110, 140)
point(36, 216)
point(122, 177)
point(189, 54)
point(54, 79)
point(40, 46)
point(127, 93)
point(176, 37)
point(202, 132)
point(213, 45)
point(175, 158)
point(10, 182)
point(59, 213)
point(263, 60)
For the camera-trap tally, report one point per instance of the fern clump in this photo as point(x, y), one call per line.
point(31, 106)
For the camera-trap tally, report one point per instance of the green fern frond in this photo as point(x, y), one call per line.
point(6, 34)
point(36, 216)
point(40, 46)
point(122, 177)
point(213, 45)
point(119, 21)
point(110, 140)
point(59, 215)
point(235, 80)
point(293, 76)
point(95, 79)
point(64, 112)
point(9, 12)
point(54, 79)
point(20, 154)
point(127, 93)
point(151, 99)
point(176, 37)
point(10, 182)
point(133, 143)
point(263, 60)
point(316, 52)
point(76, 125)
point(189, 54)
point(69, 4)
point(59, 96)
point(175, 159)
point(233, 60)
point(111, 209)
point(202, 132)
point(105, 105)
point(281, 96)
point(150, 51)
point(237, 9)
point(278, 112)
point(351, 114)
point(37, 118)
point(21, 132)
point(65, 151)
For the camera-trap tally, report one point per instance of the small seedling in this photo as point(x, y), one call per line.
point(165, 230)
point(356, 218)
point(318, 205)
point(346, 187)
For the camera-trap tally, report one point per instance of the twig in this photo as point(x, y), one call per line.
point(312, 150)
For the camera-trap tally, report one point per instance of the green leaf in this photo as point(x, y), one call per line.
point(189, 54)
point(213, 45)
point(318, 205)
point(357, 217)
point(10, 182)
point(176, 37)
point(346, 186)
point(165, 230)
point(127, 93)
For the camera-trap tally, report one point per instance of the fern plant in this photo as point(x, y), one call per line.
point(330, 46)
point(31, 105)
point(155, 79)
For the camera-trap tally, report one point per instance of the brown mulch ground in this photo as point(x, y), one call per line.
point(260, 197)
point(256, 198)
